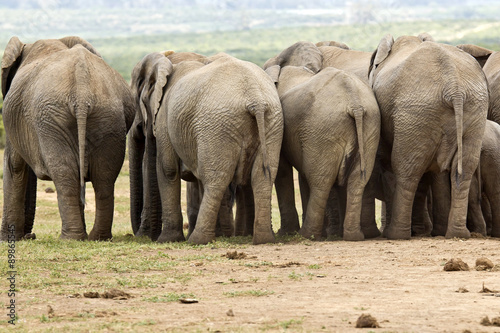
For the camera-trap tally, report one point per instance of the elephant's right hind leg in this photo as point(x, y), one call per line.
point(209, 208)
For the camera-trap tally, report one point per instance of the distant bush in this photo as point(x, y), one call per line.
point(257, 45)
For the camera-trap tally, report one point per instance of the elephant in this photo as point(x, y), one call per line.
point(221, 118)
point(490, 62)
point(66, 115)
point(433, 101)
point(488, 184)
point(331, 134)
point(339, 55)
point(145, 205)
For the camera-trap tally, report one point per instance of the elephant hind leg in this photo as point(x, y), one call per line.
point(286, 198)
point(400, 226)
point(70, 209)
point(318, 196)
point(204, 232)
point(104, 199)
point(15, 180)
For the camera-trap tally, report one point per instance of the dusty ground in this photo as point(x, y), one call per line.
point(301, 287)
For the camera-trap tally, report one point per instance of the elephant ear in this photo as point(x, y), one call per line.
point(149, 77)
point(158, 80)
point(481, 54)
point(71, 41)
point(425, 37)
point(274, 72)
point(11, 60)
point(381, 53)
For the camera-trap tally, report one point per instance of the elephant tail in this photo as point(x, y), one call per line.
point(81, 124)
point(259, 114)
point(358, 115)
point(458, 106)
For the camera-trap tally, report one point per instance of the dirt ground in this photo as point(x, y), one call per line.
point(302, 287)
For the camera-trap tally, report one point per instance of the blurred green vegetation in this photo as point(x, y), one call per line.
point(258, 45)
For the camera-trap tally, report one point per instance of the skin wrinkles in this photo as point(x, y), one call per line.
point(421, 88)
point(55, 78)
point(206, 122)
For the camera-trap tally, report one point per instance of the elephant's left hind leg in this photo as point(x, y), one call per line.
point(15, 179)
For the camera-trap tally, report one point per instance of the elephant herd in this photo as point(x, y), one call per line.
point(414, 124)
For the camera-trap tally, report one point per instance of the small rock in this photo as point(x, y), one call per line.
point(366, 320)
point(462, 290)
point(188, 300)
point(496, 268)
point(495, 321)
point(456, 265)
point(483, 264)
point(49, 190)
point(230, 313)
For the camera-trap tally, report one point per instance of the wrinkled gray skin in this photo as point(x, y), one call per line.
point(489, 184)
point(436, 125)
point(212, 114)
point(66, 115)
point(339, 55)
point(332, 129)
point(490, 62)
point(145, 205)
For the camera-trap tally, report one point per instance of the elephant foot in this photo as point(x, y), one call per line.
point(171, 237)
point(371, 232)
point(96, 236)
point(287, 232)
point(263, 238)
point(458, 233)
point(201, 238)
point(75, 236)
point(393, 233)
point(30, 235)
point(438, 231)
point(224, 232)
point(495, 232)
point(142, 232)
point(353, 236)
point(306, 233)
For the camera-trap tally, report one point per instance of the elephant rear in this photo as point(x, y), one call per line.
point(74, 111)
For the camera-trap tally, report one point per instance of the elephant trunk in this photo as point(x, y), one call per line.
point(358, 114)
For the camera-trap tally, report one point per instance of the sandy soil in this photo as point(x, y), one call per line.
point(304, 287)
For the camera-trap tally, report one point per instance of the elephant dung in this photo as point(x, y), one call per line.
point(483, 264)
point(493, 322)
point(366, 320)
point(456, 265)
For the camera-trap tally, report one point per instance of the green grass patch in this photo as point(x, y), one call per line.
point(246, 293)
